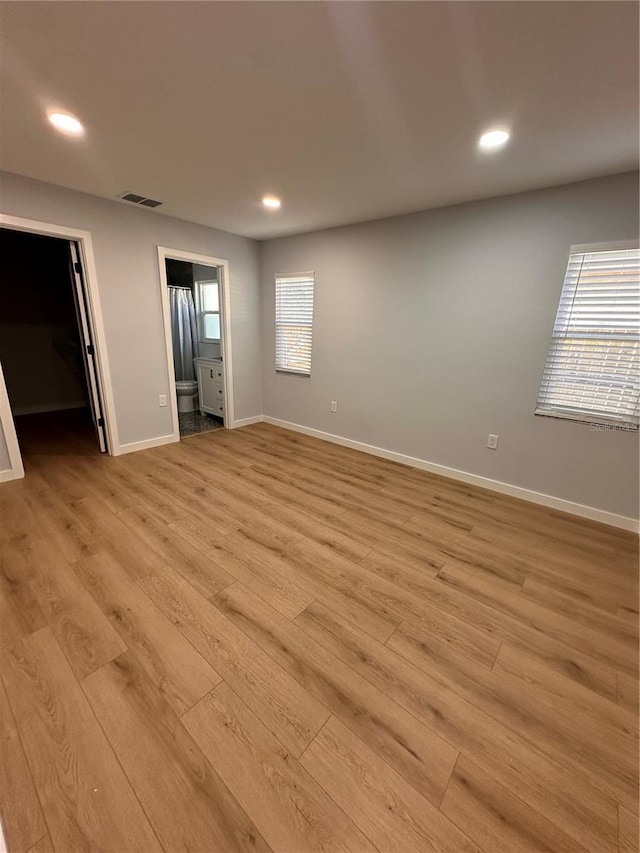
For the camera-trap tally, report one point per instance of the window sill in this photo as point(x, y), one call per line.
point(287, 372)
point(591, 420)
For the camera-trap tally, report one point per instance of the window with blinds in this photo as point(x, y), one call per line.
point(208, 306)
point(593, 364)
point(294, 322)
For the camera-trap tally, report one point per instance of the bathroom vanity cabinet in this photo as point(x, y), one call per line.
point(210, 376)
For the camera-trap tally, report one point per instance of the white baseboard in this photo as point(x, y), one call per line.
point(593, 514)
point(5, 476)
point(49, 407)
point(256, 419)
point(145, 445)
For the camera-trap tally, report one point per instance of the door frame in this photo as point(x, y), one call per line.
point(95, 319)
point(16, 471)
point(88, 344)
point(225, 344)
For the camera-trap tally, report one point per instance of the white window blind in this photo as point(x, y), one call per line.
point(294, 322)
point(593, 363)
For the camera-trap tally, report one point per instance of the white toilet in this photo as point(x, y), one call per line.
point(187, 393)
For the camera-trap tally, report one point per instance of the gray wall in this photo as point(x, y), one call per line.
point(125, 244)
point(431, 331)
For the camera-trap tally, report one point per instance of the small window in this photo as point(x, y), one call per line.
point(593, 363)
point(294, 322)
point(208, 295)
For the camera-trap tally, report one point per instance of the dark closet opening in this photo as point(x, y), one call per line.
point(41, 346)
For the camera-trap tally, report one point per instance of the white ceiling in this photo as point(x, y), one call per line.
point(348, 111)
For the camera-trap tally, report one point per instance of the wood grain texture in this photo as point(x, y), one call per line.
point(86, 798)
point(124, 545)
point(83, 631)
point(567, 697)
point(418, 754)
point(20, 613)
point(42, 846)
point(474, 730)
point(627, 692)
point(496, 819)
point(291, 712)
point(256, 641)
point(180, 673)
point(263, 570)
point(169, 772)
point(385, 807)
point(176, 551)
point(445, 638)
point(620, 651)
point(307, 581)
point(22, 818)
point(291, 811)
point(627, 831)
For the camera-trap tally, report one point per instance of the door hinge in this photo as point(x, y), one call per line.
point(90, 349)
point(100, 422)
point(77, 267)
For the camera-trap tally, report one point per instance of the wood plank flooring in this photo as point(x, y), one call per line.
point(257, 641)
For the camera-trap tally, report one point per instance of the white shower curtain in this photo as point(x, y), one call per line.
point(184, 332)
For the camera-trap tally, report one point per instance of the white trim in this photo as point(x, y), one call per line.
point(225, 344)
point(256, 419)
point(146, 444)
point(95, 310)
point(11, 439)
point(168, 343)
point(3, 843)
point(49, 407)
point(197, 295)
point(561, 504)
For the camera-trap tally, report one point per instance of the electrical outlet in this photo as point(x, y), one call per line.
point(334, 406)
point(162, 399)
point(492, 442)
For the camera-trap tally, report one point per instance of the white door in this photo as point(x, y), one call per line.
point(88, 349)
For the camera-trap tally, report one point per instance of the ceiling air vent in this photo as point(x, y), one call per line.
point(134, 198)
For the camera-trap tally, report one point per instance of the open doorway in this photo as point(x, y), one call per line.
point(196, 327)
point(47, 349)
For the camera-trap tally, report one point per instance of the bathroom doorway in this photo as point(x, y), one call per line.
point(52, 388)
point(196, 325)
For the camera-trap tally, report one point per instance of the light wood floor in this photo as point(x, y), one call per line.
point(255, 641)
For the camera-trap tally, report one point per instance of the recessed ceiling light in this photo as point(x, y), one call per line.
point(493, 139)
point(66, 124)
point(271, 202)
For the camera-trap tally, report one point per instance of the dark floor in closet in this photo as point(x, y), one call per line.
point(69, 432)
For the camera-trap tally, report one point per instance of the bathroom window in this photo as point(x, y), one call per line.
point(294, 323)
point(208, 296)
point(592, 373)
